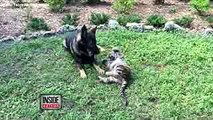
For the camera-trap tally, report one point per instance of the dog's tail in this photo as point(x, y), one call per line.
point(64, 46)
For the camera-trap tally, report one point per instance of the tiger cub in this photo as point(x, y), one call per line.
point(118, 71)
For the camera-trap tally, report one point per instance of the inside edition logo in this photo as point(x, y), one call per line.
point(50, 102)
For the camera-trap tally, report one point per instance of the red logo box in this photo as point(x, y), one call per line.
point(50, 102)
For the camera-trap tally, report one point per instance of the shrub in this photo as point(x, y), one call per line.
point(56, 5)
point(210, 20)
point(134, 18)
point(156, 20)
point(184, 21)
point(200, 5)
point(124, 19)
point(123, 6)
point(99, 18)
point(70, 19)
point(36, 24)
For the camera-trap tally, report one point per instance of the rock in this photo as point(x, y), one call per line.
point(121, 28)
point(7, 38)
point(131, 25)
point(170, 25)
point(21, 37)
point(149, 27)
point(41, 34)
point(102, 27)
point(66, 28)
point(48, 33)
point(137, 27)
point(35, 35)
point(3, 36)
point(208, 31)
point(113, 24)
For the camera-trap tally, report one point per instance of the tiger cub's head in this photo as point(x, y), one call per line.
point(113, 55)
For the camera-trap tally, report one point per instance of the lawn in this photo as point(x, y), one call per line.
point(172, 78)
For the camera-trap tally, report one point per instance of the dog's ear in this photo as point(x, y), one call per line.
point(82, 34)
point(93, 30)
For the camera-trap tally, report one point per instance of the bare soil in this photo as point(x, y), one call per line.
point(13, 20)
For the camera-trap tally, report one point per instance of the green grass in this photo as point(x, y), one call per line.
point(172, 78)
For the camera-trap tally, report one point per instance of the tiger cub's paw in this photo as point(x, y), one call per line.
point(101, 71)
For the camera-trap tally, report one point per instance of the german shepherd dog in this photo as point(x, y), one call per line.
point(82, 46)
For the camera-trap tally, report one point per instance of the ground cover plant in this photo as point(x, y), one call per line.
point(172, 78)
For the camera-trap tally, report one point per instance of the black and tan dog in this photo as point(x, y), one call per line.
point(83, 47)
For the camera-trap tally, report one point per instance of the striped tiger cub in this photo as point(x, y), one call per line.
point(118, 71)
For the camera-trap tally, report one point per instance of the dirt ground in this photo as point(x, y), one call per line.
point(13, 20)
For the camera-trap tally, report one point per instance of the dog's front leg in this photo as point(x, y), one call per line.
point(81, 70)
point(100, 71)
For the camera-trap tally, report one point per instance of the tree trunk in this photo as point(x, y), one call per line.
point(157, 2)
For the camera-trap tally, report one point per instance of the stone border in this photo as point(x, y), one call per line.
point(112, 24)
point(62, 30)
